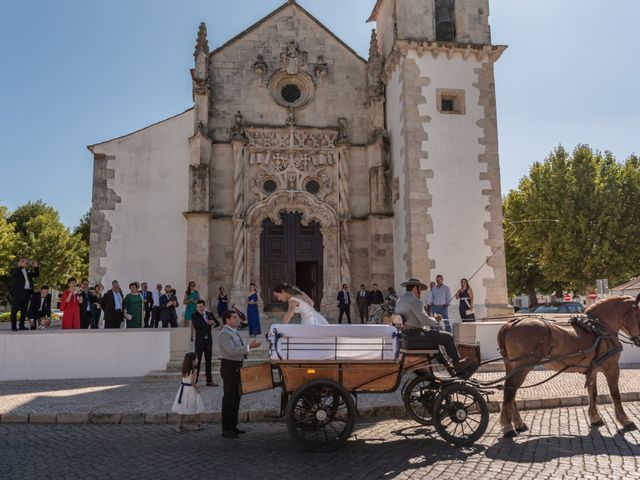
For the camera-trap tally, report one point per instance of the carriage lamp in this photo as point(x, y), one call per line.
point(311, 370)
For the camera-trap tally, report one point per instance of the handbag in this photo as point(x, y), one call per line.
point(469, 311)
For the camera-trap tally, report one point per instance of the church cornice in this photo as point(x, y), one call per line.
point(401, 48)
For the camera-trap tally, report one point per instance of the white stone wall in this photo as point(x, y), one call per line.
point(148, 240)
point(396, 134)
point(459, 208)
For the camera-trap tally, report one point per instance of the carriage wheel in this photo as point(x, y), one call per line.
point(460, 414)
point(321, 415)
point(418, 398)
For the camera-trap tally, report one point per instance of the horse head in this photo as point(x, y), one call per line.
point(619, 313)
point(631, 322)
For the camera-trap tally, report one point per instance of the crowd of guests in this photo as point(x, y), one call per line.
point(437, 300)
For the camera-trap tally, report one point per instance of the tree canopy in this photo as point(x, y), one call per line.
point(594, 200)
point(34, 230)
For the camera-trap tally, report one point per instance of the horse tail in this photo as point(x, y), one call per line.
point(502, 334)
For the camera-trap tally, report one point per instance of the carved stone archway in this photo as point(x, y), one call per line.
point(312, 210)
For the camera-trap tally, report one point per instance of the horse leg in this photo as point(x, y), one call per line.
point(592, 389)
point(612, 375)
point(509, 416)
point(517, 422)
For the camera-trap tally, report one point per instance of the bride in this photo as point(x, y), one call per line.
point(300, 303)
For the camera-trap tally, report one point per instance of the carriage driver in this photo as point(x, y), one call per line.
point(416, 321)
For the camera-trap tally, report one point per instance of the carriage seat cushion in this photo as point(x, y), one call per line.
point(415, 339)
point(333, 342)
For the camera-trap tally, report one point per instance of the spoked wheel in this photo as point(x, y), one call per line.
point(460, 414)
point(418, 398)
point(321, 415)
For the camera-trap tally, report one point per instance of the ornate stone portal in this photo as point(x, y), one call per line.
point(291, 170)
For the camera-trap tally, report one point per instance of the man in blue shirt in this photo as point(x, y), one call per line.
point(441, 298)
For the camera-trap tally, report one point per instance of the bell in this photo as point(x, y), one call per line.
point(444, 25)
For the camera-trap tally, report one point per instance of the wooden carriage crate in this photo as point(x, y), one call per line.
point(256, 378)
point(469, 350)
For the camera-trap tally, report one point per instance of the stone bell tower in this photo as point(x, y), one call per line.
point(441, 118)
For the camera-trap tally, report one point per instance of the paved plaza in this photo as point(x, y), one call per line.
point(560, 444)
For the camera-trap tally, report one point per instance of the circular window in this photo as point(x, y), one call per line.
point(270, 186)
point(290, 93)
point(312, 186)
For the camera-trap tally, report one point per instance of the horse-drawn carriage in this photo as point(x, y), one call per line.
point(322, 372)
point(323, 369)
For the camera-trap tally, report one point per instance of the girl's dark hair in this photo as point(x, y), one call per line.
point(189, 363)
point(72, 279)
point(189, 290)
point(134, 284)
point(220, 288)
point(285, 287)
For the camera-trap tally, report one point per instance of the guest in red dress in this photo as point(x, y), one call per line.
point(70, 305)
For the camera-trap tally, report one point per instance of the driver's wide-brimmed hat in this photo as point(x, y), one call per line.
point(414, 281)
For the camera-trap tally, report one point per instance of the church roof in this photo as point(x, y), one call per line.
point(274, 13)
point(92, 146)
point(374, 12)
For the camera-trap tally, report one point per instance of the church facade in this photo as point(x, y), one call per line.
point(301, 161)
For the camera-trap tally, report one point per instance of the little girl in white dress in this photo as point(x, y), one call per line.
point(188, 400)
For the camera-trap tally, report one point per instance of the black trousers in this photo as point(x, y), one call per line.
point(155, 317)
point(345, 311)
point(147, 315)
point(20, 303)
point(207, 349)
point(364, 314)
point(230, 372)
point(447, 341)
point(113, 320)
point(85, 318)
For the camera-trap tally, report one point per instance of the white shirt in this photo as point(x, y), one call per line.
point(27, 285)
point(156, 298)
point(41, 303)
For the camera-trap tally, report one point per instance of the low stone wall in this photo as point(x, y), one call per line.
point(88, 353)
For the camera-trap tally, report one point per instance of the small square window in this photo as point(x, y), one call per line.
point(450, 101)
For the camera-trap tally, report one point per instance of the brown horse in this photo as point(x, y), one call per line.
point(525, 343)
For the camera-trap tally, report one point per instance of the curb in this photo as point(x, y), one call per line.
point(269, 415)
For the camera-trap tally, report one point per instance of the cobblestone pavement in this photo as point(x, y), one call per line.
point(559, 445)
point(134, 395)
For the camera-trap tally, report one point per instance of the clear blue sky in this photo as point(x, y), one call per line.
point(76, 72)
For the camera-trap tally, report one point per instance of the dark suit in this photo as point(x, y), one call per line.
point(35, 311)
point(168, 315)
point(344, 305)
point(363, 305)
point(148, 306)
point(376, 297)
point(20, 295)
point(204, 341)
point(85, 309)
point(112, 316)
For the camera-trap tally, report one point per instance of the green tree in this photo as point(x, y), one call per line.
point(594, 198)
point(29, 210)
point(82, 233)
point(9, 241)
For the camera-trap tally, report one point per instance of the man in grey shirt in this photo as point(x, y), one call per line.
point(416, 322)
point(233, 350)
point(440, 299)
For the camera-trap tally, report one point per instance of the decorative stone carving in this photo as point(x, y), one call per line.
point(291, 118)
point(239, 213)
point(237, 131)
point(375, 66)
point(292, 58)
point(321, 69)
point(260, 67)
point(202, 45)
point(291, 156)
point(344, 215)
point(343, 135)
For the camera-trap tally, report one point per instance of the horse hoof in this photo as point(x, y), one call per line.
point(598, 424)
point(510, 434)
point(522, 428)
point(630, 427)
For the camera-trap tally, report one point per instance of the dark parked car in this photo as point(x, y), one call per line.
point(566, 307)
